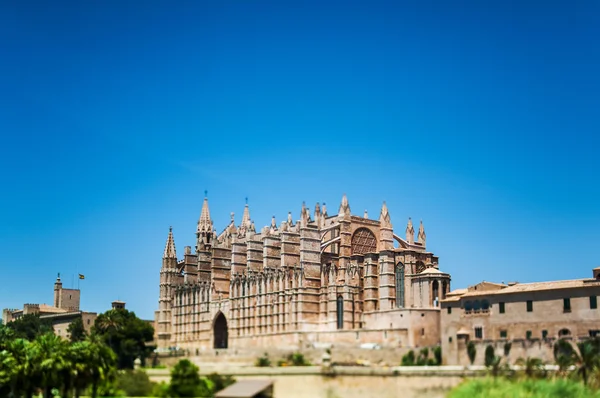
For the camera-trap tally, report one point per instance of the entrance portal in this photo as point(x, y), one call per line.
point(220, 331)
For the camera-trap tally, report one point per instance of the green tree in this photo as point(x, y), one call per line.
point(471, 351)
point(8, 367)
point(125, 334)
point(437, 353)
point(586, 359)
point(408, 359)
point(531, 367)
point(30, 326)
point(101, 364)
point(490, 354)
point(48, 352)
point(186, 382)
point(135, 383)
point(564, 355)
point(76, 330)
point(220, 382)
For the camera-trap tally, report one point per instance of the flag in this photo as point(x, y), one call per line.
point(81, 276)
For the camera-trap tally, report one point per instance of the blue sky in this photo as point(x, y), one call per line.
point(481, 118)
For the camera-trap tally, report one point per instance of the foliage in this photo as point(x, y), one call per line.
point(297, 359)
point(422, 358)
point(30, 326)
point(490, 355)
point(186, 382)
point(501, 388)
point(507, 347)
point(76, 330)
point(437, 354)
point(471, 351)
point(531, 367)
point(219, 382)
point(263, 361)
point(408, 359)
point(135, 383)
point(125, 334)
point(160, 390)
point(54, 366)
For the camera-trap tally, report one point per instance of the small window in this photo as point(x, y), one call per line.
point(501, 308)
point(564, 333)
point(422, 332)
point(449, 339)
point(503, 334)
point(479, 332)
point(88, 321)
point(544, 334)
point(567, 305)
point(528, 335)
point(529, 306)
point(593, 302)
point(594, 333)
point(449, 310)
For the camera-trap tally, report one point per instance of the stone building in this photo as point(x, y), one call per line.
point(323, 279)
point(65, 309)
point(530, 316)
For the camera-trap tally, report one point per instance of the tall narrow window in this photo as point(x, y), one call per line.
point(529, 306)
point(567, 305)
point(501, 308)
point(593, 302)
point(340, 312)
point(400, 285)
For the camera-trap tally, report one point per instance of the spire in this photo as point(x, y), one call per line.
point(304, 215)
point(421, 237)
point(289, 219)
point(344, 207)
point(324, 210)
point(384, 216)
point(273, 225)
point(204, 222)
point(366, 215)
point(170, 246)
point(246, 216)
point(410, 232)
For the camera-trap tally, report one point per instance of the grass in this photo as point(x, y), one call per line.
point(502, 388)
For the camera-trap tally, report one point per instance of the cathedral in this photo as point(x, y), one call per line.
point(323, 279)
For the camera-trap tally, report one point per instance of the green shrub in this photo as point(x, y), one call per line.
point(471, 351)
point(490, 355)
point(408, 359)
point(501, 388)
point(263, 361)
point(297, 359)
point(135, 383)
point(186, 382)
point(219, 382)
point(437, 354)
point(161, 390)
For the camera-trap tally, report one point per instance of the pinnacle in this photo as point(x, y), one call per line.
point(170, 246)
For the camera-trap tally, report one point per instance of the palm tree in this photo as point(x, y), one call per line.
point(102, 363)
point(532, 367)
point(564, 355)
point(587, 359)
point(25, 371)
point(49, 354)
point(7, 370)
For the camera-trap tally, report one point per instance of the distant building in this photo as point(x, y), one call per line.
point(64, 310)
point(340, 278)
point(530, 316)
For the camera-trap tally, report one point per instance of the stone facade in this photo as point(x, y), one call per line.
point(64, 311)
point(339, 279)
point(531, 316)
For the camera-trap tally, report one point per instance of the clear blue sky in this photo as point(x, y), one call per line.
point(479, 117)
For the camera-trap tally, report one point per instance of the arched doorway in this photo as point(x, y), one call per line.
point(220, 331)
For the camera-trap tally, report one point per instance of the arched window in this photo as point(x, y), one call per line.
point(477, 305)
point(468, 306)
point(400, 285)
point(564, 333)
point(435, 297)
point(420, 267)
point(340, 312)
point(444, 289)
point(485, 305)
point(363, 241)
